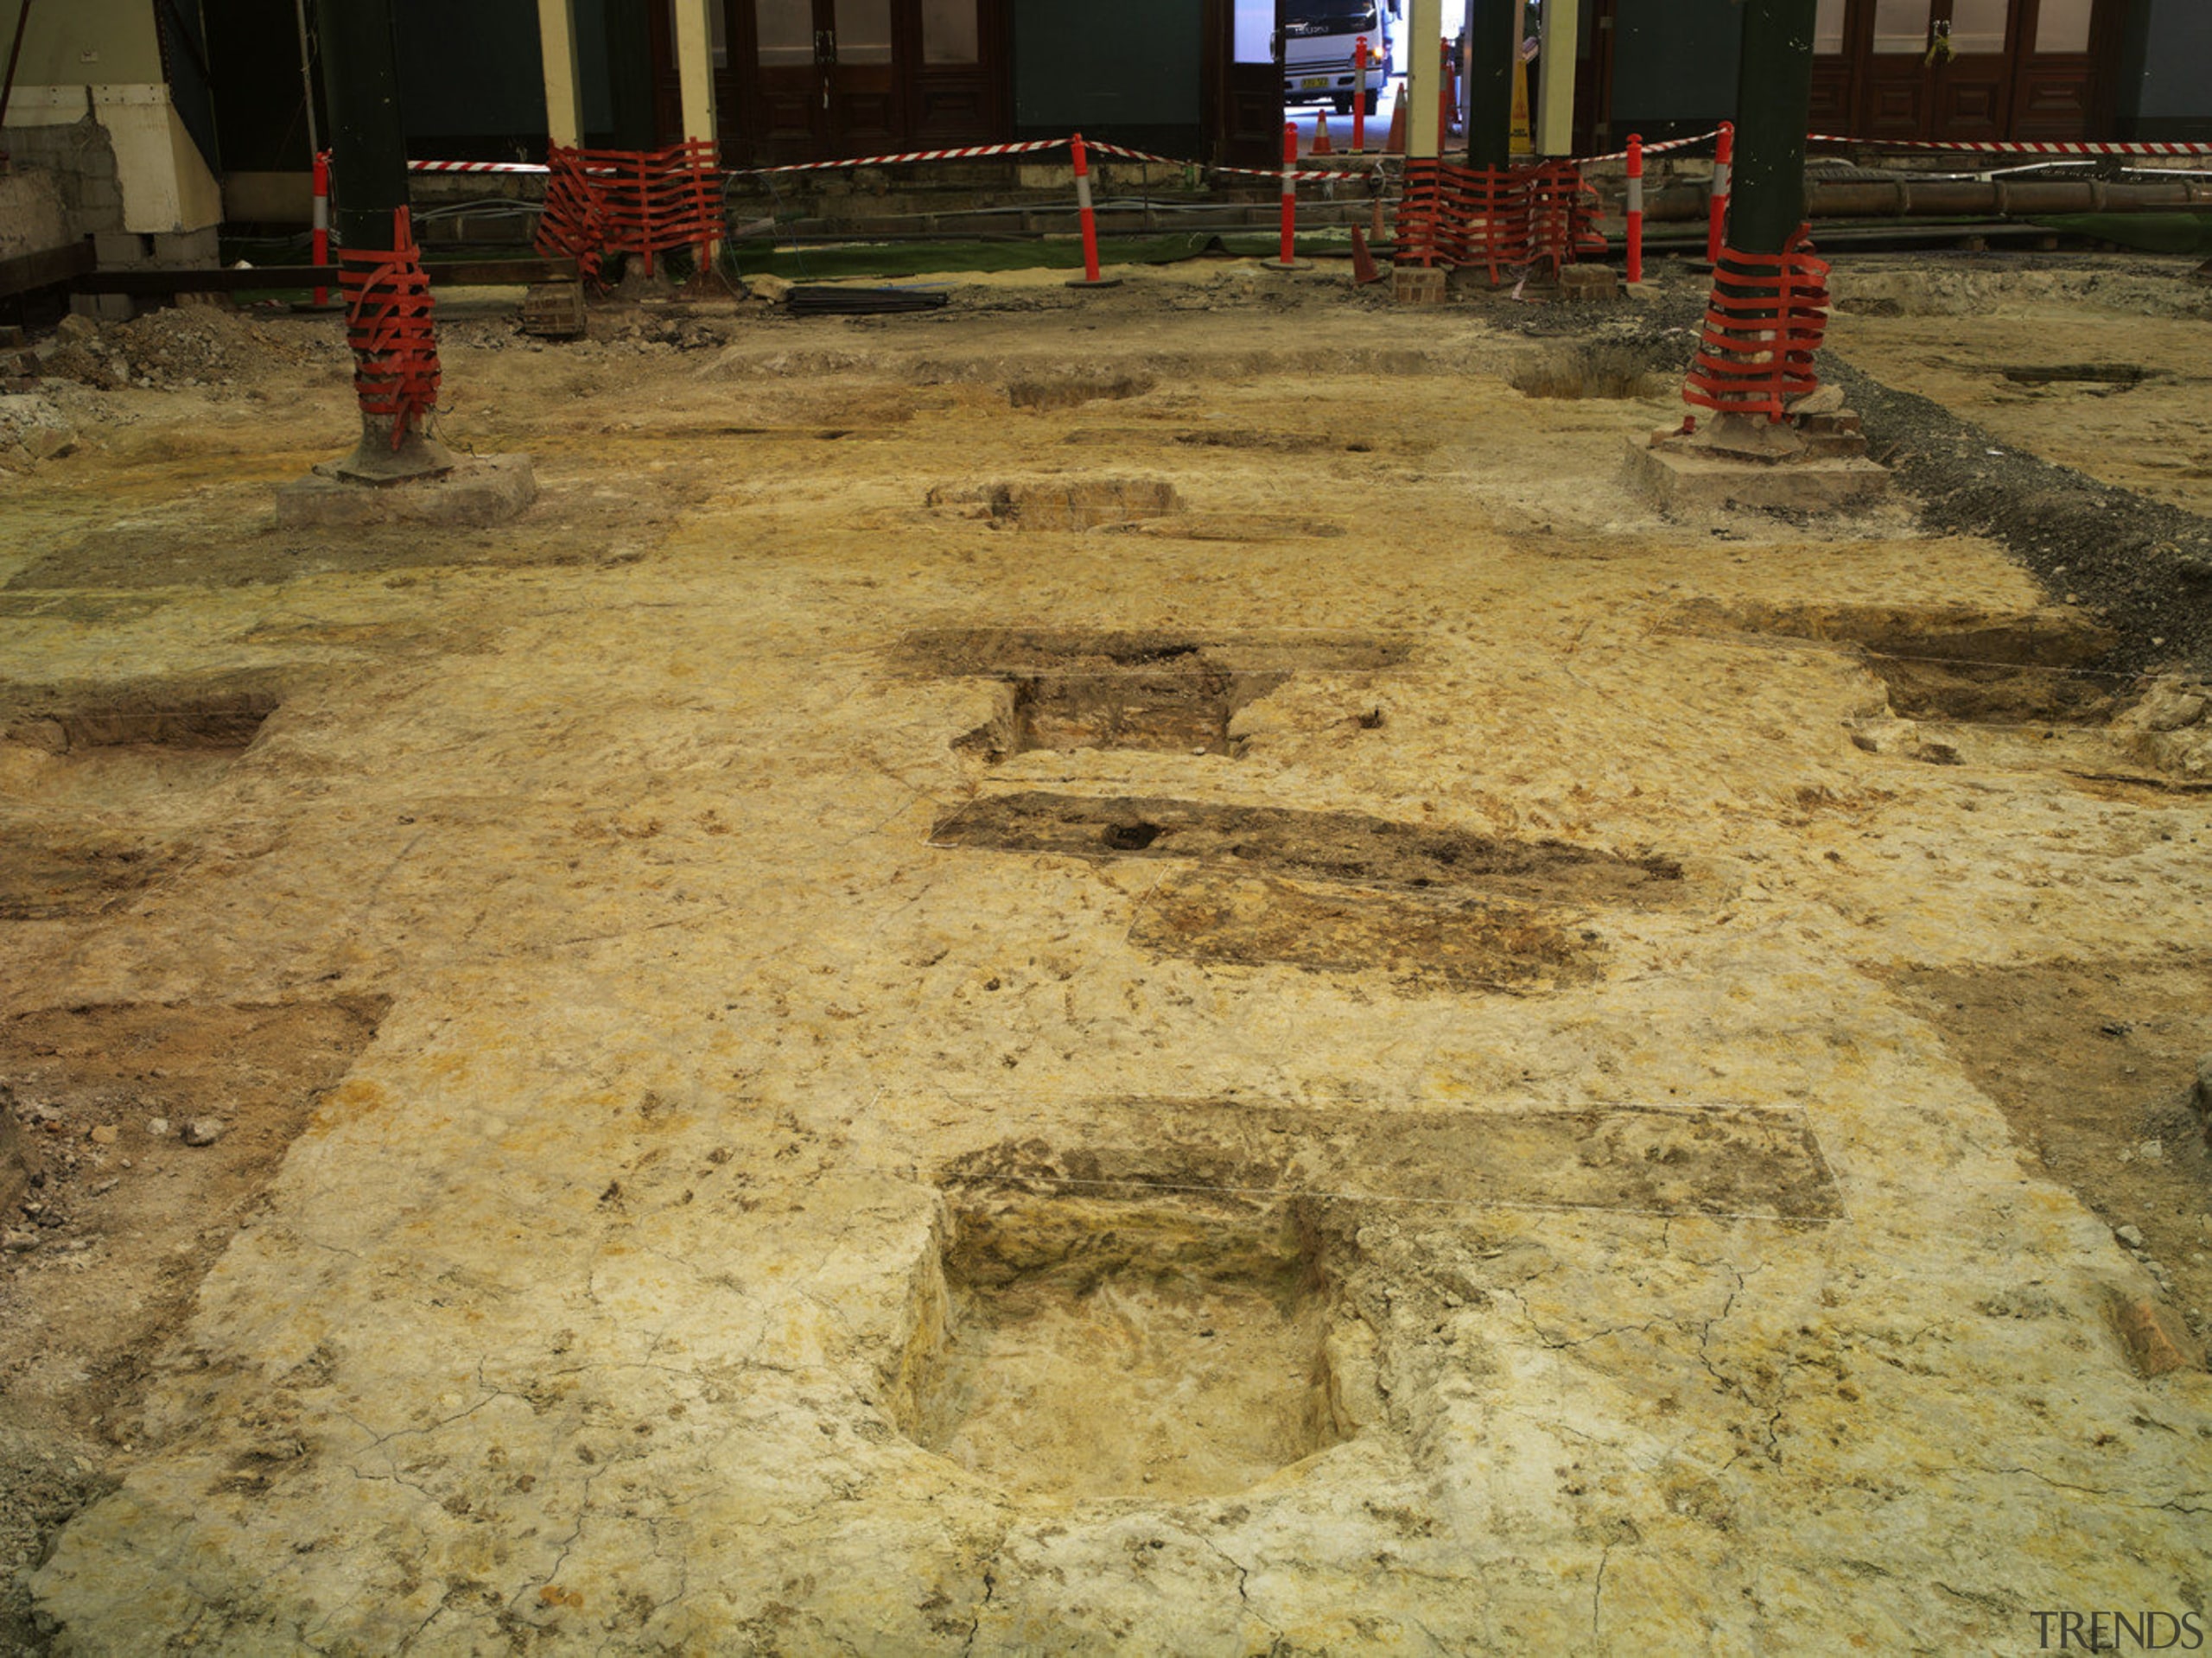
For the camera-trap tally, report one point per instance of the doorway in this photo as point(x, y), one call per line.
point(1963, 71)
point(816, 79)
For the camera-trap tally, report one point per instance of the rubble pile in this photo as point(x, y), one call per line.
point(32, 429)
point(186, 347)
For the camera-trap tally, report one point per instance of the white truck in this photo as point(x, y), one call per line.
point(1320, 40)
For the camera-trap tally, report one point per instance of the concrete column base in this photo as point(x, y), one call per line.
point(478, 491)
point(1683, 480)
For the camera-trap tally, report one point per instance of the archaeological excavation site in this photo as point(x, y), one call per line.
point(819, 897)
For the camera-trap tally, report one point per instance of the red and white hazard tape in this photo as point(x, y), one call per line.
point(1099, 147)
point(1652, 150)
point(966, 153)
point(476, 167)
point(1994, 147)
point(971, 152)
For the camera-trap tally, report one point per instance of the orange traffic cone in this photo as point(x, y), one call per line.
point(1321, 146)
point(1364, 268)
point(1396, 145)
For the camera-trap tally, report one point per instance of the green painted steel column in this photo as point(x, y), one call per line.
point(1774, 101)
point(1491, 53)
point(368, 145)
point(630, 74)
point(368, 141)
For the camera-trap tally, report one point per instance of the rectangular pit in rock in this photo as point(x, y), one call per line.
point(46, 871)
point(1096, 1349)
point(1178, 712)
point(1223, 917)
point(1060, 504)
point(110, 747)
point(1963, 662)
point(1072, 689)
point(1347, 846)
point(1716, 1161)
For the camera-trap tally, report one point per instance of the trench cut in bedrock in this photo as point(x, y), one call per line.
point(1106, 1345)
point(100, 790)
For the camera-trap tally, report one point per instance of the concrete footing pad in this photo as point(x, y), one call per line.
point(1673, 480)
point(481, 491)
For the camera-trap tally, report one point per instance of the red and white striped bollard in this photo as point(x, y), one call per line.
point(1444, 98)
point(1084, 210)
point(1635, 207)
point(1359, 98)
point(1289, 195)
point(321, 241)
point(1724, 165)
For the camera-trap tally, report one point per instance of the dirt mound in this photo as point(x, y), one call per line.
point(1935, 287)
point(185, 348)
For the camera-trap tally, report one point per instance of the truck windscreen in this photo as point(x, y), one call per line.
point(1337, 15)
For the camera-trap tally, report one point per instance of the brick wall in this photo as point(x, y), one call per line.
point(80, 157)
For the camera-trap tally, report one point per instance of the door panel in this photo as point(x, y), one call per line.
point(1893, 80)
point(788, 115)
point(1901, 26)
point(2064, 27)
point(1246, 118)
point(1913, 89)
point(2056, 86)
point(1979, 28)
point(860, 65)
point(1830, 107)
point(953, 95)
point(813, 79)
point(1994, 85)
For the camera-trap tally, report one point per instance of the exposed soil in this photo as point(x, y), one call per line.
point(1472, 945)
point(1017, 651)
point(2142, 567)
point(1127, 691)
point(48, 871)
point(1334, 846)
point(1614, 369)
point(1494, 1138)
point(1073, 392)
point(2093, 1063)
point(1959, 661)
point(1711, 1161)
point(1088, 505)
point(1181, 712)
point(165, 714)
point(122, 1216)
point(1097, 1348)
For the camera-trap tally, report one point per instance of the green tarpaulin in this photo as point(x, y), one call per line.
point(2190, 233)
point(1029, 253)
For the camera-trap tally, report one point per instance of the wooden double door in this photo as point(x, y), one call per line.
point(814, 80)
point(1963, 70)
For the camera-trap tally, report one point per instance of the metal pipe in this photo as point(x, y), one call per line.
point(1952, 198)
point(307, 76)
point(15, 52)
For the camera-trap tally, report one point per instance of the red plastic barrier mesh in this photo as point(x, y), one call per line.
point(571, 225)
point(1462, 216)
point(1756, 355)
point(1503, 219)
point(1563, 216)
point(388, 325)
point(641, 202)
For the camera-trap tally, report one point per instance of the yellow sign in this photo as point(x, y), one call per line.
point(1525, 142)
